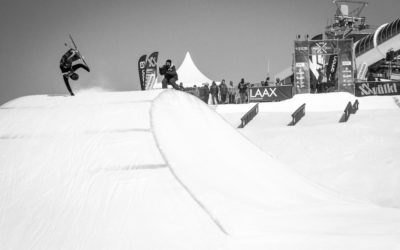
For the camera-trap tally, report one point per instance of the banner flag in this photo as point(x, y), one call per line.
point(346, 66)
point(142, 71)
point(332, 68)
point(151, 70)
point(377, 88)
point(301, 67)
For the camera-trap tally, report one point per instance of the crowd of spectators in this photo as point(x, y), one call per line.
point(223, 93)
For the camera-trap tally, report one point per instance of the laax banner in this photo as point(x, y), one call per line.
point(377, 88)
point(270, 94)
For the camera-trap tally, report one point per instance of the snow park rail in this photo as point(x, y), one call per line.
point(298, 114)
point(350, 109)
point(249, 116)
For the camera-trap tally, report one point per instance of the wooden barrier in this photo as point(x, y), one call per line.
point(298, 114)
point(249, 116)
point(350, 109)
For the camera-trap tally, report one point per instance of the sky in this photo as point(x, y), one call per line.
point(227, 39)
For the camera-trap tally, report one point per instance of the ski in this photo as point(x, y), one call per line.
point(76, 48)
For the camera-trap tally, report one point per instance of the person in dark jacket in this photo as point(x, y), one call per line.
point(170, 75)
point(214, 93)
point(68, 69)
point(231, 92)
point(223, 90)
point(206, 93)
point(242, 90)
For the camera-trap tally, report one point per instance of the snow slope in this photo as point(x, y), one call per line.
point(358, 158)
point(161, 170)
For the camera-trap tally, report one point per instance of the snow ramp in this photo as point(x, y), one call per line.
point(160, 170)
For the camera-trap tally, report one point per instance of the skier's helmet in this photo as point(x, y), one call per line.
point(74, 76)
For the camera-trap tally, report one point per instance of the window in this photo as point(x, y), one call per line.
point(398, 26)
point(389, 33)
point(369, 42)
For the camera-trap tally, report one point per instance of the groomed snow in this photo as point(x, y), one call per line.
point(358, 158)
point(162, 170)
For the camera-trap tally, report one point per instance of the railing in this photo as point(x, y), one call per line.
point(249, 116)
point(297, 115)
point(350, 109)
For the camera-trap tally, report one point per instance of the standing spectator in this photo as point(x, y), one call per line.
point(278, 82)
point(371, 77)
point(246, 94)
point(223, 90)
point(196, 91)
point(266, 84)
point(242, 90)
point(214, 93)
point(181, 86)
point(206, 93)
point(231, 92)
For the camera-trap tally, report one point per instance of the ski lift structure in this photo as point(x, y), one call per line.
point(347, 22)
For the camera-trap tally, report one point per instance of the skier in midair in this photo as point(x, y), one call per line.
point(68, 70)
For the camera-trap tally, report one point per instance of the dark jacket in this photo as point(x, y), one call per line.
point(242, 87)
point(214, 89)
point(168, 72)
point(223, 88)
point(67, 59)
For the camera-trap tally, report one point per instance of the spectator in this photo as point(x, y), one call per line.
point(181, 86)
point(278, 82)
point(214, 93)
point(170, 75)
point(196, 91)
point(231, 92)
point(206, 93)
point(223, 90)
point(266, 84)
point(319, 88)
point(242, 91)
point(371, 77)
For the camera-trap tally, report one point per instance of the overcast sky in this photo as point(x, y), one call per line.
point(227, 39)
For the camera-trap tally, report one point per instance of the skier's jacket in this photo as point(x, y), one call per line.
point(169, 72)
point(68, 58)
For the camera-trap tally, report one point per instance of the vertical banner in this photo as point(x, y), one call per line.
point(301, 67)
point(346, 66)
point(142, 71)
point(151, 70)
point(332, 68)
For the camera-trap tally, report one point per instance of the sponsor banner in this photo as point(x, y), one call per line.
point(142, 71)
point(331, 68)
point(301, 67)
point(270, 94)
point(323, 47)
point(151, 70)
point(377, 88)
point(346, 66)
